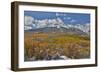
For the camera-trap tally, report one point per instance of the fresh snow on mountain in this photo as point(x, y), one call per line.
point(32, 23)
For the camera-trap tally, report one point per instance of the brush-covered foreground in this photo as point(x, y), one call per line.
point(54, 46)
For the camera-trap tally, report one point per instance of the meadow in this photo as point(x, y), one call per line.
point(38, 45)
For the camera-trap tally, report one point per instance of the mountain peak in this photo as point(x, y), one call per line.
point(32, 23)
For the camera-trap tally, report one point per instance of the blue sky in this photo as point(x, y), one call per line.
point(68, 18)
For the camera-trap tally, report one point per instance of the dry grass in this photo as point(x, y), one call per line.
point(72, 46)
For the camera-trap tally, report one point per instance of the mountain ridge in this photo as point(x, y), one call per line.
point(57, 23)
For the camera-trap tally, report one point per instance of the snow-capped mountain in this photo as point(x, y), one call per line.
point(85, 27)
point(33, 24)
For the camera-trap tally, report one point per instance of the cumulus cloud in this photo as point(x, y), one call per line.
point(41, 23)
point(49, 23)
point(28, 20)
point(31, 23)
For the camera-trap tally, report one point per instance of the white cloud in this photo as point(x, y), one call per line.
point(31, 23)
point(27, 27)
point(57, 14)
point(61, 14)
point(72, 21)
point(68, 18)
point(48, 23)
point(41, 23)
point(28, 20)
